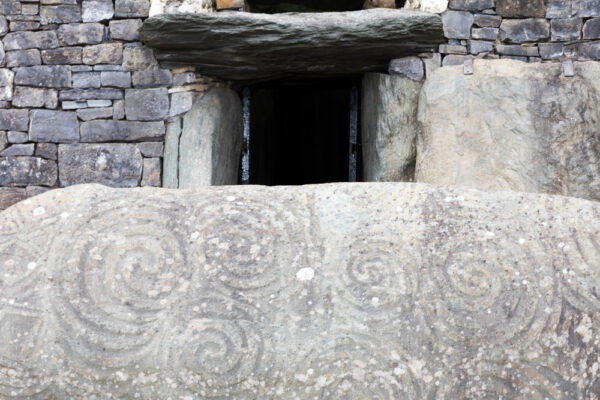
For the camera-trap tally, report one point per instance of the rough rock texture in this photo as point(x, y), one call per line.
point(382, 291)
point(245, 46)
point(512, 126)
point(206, 148)
point(389, 127)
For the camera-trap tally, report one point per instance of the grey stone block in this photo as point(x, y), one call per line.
point(74, 34)
point(17, 137)
point(471, 5)
point(3, 25)
point(10, 196)
point(54, 126)
point(566, 29)
point(146, 104)
point(151, 174)
point(99, 103)
point(3, 140)
point(591, 29)
point(457, 24)
point(137, 58)
point(30, 40)
point(90, 114)
point(119, 109)
point(61, 14)
point(485, 33)
point(453, 49)
point(105, 53)
point(588, 51)
point(480, 46)
point(517, 50)
point(86, 80)
point(63, 55)
point(44, 76)
point(408, 67)
point(151, 77)
point(115, 164)
point(184, 78)
point(23, 58)
point(73, 105)
point(588, 8)
point(116, 79)
point(16, 150)
point(97, 10)
point(525, 30)
point(24, 96)
point(14, 120)
point(132, 8)
point(15, 26)
point(551, 50)
point(560, 9)
point(8, 7)
point(23, 171)
point(126, 131)
point(127, 29)
point(453, 59)
point(90, 94)
point(2, 54)
point(521, 8)
point(6, 84)
point(181, 103)
point(151, 149)
point(48, 151)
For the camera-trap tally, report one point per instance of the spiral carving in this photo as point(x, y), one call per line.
point(219, 350)
point(115, 281)
point(486, 295)
point(353, 367)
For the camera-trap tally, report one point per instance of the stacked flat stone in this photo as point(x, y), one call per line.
point(81, 98)
point(530, 31)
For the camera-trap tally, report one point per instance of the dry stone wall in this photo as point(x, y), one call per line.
point(83, 100)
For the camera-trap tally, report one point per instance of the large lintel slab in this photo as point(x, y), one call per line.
point(240, 46)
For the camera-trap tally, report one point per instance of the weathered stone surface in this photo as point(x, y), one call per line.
point(74, 34)
point(91, 94)
point(63, 55)
point(170, 178)
point(18, 150)
point(471, 5)
point(565, 29)
point(34, 97)
point(408, 67)
point(152, 77)
point(349, 292)
point(115, 164)
point(389, 127)
point(477, 144)
point(136, 58)
point(151, 149)
point(521, 8)
point(151, 172)
point(146, 104)
point(457, 24)
point(10, 196)
point(86, 80)
point(525, 30)
point(94, 113)
point(60, 14)
point(126, 29)
point(97, 10)
point(247, 46)
point(487, 21)
point(480, 46)
point(17, 137)
point(15, 26)
point(23, 58)
point(210, 141)
point(551, 50)
point(591, 29)
point(44, 76)
point(131, 131)
point(116, 79)
point(22, 171)
point(54, 126)
point(2, 54)
point(132, 8)
point(14, 120)
point(6, 82)
point(181, 103)
point(105, 53)
point(30, 40)
point(485, 33)
point(588, 8)
point(3, 26)
point(48, 151)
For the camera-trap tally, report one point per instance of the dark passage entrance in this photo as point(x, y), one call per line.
point(277, 6)
point(303, 132)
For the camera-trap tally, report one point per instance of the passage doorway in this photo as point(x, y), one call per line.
point(302, 132)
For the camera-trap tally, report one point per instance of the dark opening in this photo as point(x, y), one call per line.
point(278, 6)
point(302, 133)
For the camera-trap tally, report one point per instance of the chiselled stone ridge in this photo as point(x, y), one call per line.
point(240, 46)
point(354, 291)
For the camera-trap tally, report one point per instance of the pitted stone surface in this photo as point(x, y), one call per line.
point(344, 291)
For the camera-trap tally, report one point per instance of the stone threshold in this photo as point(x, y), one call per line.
point(237, 46)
